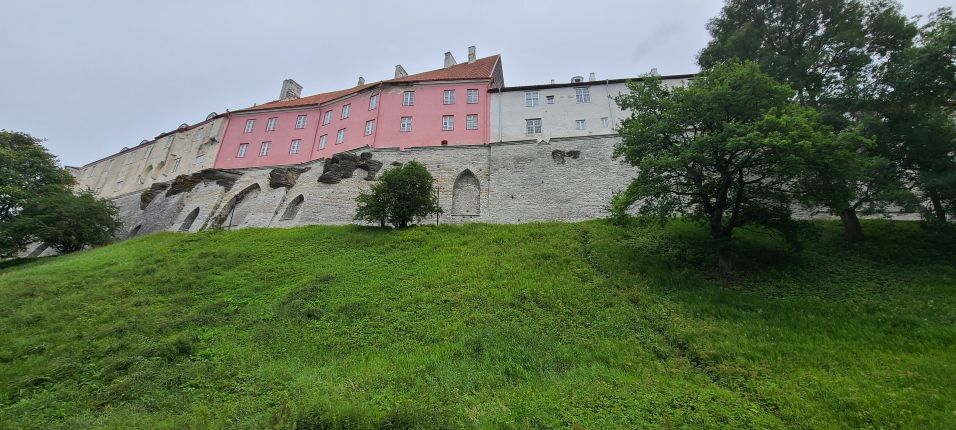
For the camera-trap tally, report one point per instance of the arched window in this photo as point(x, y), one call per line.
point(190, 219)
point(466, 195)
point(235, 212)
point(142, 178)
point(159, 169)
point(293, 209)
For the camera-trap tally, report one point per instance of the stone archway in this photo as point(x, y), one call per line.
point(466, 195)
point(293, 208)
point(190, 219)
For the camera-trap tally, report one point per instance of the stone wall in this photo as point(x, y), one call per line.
point(567, 179)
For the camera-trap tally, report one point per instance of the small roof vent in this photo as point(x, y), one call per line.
point(577, 79)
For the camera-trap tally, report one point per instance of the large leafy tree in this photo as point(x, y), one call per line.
point(67, 222)
point(829, 52)
point(917, 109)
point(401, 195)
point(730, 149)
point(27, 170)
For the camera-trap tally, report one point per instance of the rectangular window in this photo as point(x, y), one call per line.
point(472, 97)
point(373, 102)
point(448, 97)
point(471, 122)
point(250, 124)
point(339, 138)
point(369, 127)
point(110, 165)
point(580, 124)
point(264, 149)
point(448, 122)
point(300, 121)
point(294, 148)
point(408, 98)
point(530, 98)
point(129, 158)
point(327, 118)
point(582, 94)
point(550, 100)
point(322, 140)
point(533, 125)
point(169, 140)
point(346, 110)
point(271, 124)
point(176, 164)
point(243, 147)
point(148, 151)
point(406, 124)
point(604, 122)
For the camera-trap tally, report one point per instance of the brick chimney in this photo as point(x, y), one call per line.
point(400, 71)
point(290, 90)
point(471, 54)
point(449, 60)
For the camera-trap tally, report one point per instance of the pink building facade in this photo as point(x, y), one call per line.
point(448, 106)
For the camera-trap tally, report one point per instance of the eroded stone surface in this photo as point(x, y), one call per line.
point(285, 176)
point(154, 190)
point(342, 166)
point(560, 156)
point(185, 183)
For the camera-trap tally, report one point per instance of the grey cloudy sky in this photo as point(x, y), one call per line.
point(92, 77)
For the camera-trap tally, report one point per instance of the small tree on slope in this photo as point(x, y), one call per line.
point(730, 149)
point(400, 196)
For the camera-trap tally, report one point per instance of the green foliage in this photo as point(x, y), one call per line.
point(27, 169)
point(401, 195)
point(729, 149)
point(517, 326)
point(65, 221)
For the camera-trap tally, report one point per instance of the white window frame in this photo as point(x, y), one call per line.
point(472, 96)
point(243, 148)
point(322, 139)
point(373, 102)
point(250, 126)
point(408, 98)
point(448, 97)
point(264, 148)
point(530, 98)
point(369, 127)
point(582, 94)
point(271, 123)
point(327, 117)
point(533, 126)
point(294, 146)
point(346, 110)
point(406, 124)
point(176, 165)
point(300, 121)
point(471, 122)
point(148, 152)
point(580, 124)
point(448, 123)
point(129, 158)
point(340, 137)
point(605, 122)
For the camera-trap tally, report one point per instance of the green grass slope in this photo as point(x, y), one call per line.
point(531, 326)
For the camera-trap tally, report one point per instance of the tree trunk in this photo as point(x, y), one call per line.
point(851, 225)
point(938, 210)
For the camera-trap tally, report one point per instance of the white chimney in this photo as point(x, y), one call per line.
point(591, 77)
point(552, 82)
point(290, 90)
point(361, 81)
point(471, 54)
point(654, 72)
point(449, 60)
point(400, 71)
point(577, 79)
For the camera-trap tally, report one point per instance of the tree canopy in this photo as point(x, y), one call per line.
point(401, 195)
point(27, 169)
point(729, 149)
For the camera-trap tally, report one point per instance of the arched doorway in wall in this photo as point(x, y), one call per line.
point(190, 219)
point(234, 213)
point(132, 233)
point(466, 195)
point(293, 208)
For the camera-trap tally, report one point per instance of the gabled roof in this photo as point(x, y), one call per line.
point(482, 68)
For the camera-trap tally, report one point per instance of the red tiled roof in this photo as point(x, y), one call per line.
point(482, 68)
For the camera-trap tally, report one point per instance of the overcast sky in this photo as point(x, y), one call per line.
point(94, 76)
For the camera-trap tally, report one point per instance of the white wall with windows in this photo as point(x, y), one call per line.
point(565, 110)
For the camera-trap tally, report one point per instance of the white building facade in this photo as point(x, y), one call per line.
point(574, 109)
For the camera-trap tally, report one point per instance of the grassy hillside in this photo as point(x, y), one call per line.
point(532, 326)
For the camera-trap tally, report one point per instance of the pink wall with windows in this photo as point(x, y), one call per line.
point(426, 114)
point(281, 139)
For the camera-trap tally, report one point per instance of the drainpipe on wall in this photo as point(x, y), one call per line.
point(610, 110)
